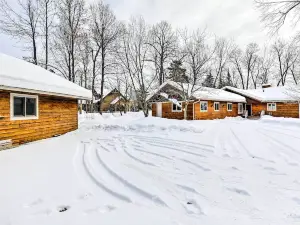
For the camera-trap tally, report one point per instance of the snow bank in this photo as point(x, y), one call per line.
point(280, 120)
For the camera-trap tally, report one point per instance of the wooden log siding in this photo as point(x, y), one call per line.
point(154, 109)
point(282, 109)
point(56, 116)
point(212, 114)
point(168, 114)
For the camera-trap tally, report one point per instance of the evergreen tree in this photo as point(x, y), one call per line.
point(228, 79)
point(221, 82)
point(209, 81)
point(177, 73)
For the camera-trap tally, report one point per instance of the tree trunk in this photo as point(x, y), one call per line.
point(34, 50)
point(185, 110)
point(46, 47)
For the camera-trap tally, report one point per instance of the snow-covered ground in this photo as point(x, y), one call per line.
point(132, 170)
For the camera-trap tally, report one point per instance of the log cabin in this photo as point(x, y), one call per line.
point(273, 101)
point(35, 103)
point(203, 103)
point(113, 100)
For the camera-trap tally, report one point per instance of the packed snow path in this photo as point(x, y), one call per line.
point(155, 171)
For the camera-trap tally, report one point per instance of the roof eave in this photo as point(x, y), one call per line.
point(44, 92)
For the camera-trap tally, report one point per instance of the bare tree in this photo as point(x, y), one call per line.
point(133, 58)
point(85, 60)
point(274, 13)
point(71, 16)
point(163, 41)
point(250, 62)
point(105, 30)
point(197, 57)
point(236, 58)
point(286, 54)
point(223, 48)
point(47, 12)
point(21, 24)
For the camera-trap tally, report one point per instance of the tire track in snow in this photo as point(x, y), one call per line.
point(196, 165)
point(280, 142)
point(275, 131)
point(137, 159)
point(152, 153)
point(131, 186)
point(281, 154)
point(186, 144)
point(88, 171)
point(176, 149)
point(246, 150)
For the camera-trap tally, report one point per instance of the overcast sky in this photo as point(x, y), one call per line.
point(237, 19)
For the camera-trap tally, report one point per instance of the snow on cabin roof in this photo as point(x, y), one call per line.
point(202, 93)
point(19, 75)
point(270, 94)
point(115, 100)
point(105, 90)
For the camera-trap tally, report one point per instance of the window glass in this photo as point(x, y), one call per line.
point(177, 107)
point(30, 107)
point(271, 107)
point(203, 106)
point(229, 106)
point(174, 107)
point(19, 106)
point(240, 108)
point(217, 106)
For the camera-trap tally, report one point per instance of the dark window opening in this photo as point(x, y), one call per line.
point(19, 106)
point(30, 107)
point(24, 106)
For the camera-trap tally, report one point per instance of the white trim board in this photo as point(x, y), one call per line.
point(41, 92)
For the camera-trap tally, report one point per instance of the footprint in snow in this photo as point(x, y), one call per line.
point(239, 191)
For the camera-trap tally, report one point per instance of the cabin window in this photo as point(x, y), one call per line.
point(271, 107)
point(23, 107)
point(203, 106)
point(217, 106)
point(229, 106)
point(177, 107)
point(240, 108)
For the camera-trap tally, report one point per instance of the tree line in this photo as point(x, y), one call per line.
point(88, 45)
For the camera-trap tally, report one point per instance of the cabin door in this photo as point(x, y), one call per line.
point(158, 109)
point(249, 109)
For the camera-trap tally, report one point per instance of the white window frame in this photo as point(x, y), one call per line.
point(177, 110)
point(229, 110)
point(270, 107)
point(12, 117)
point(206, 107)
point(239, 106)
point(217, 103)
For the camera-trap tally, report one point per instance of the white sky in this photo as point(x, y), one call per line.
point(237, 19)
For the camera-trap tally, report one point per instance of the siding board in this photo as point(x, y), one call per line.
point(56, 116)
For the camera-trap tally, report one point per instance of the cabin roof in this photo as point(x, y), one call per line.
point(270, 94)
point(202, 93)
point(19, 75)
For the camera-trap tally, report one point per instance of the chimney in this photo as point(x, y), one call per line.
point(266, 85)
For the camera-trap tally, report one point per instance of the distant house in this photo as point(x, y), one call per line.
point(35, 103)
point(274, 101)
point(113, 100)
point(205, 103)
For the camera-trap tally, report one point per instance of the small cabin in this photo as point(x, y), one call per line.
point(35, 103)
point(203, 103)
point(273, 101)
point(112, 101)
